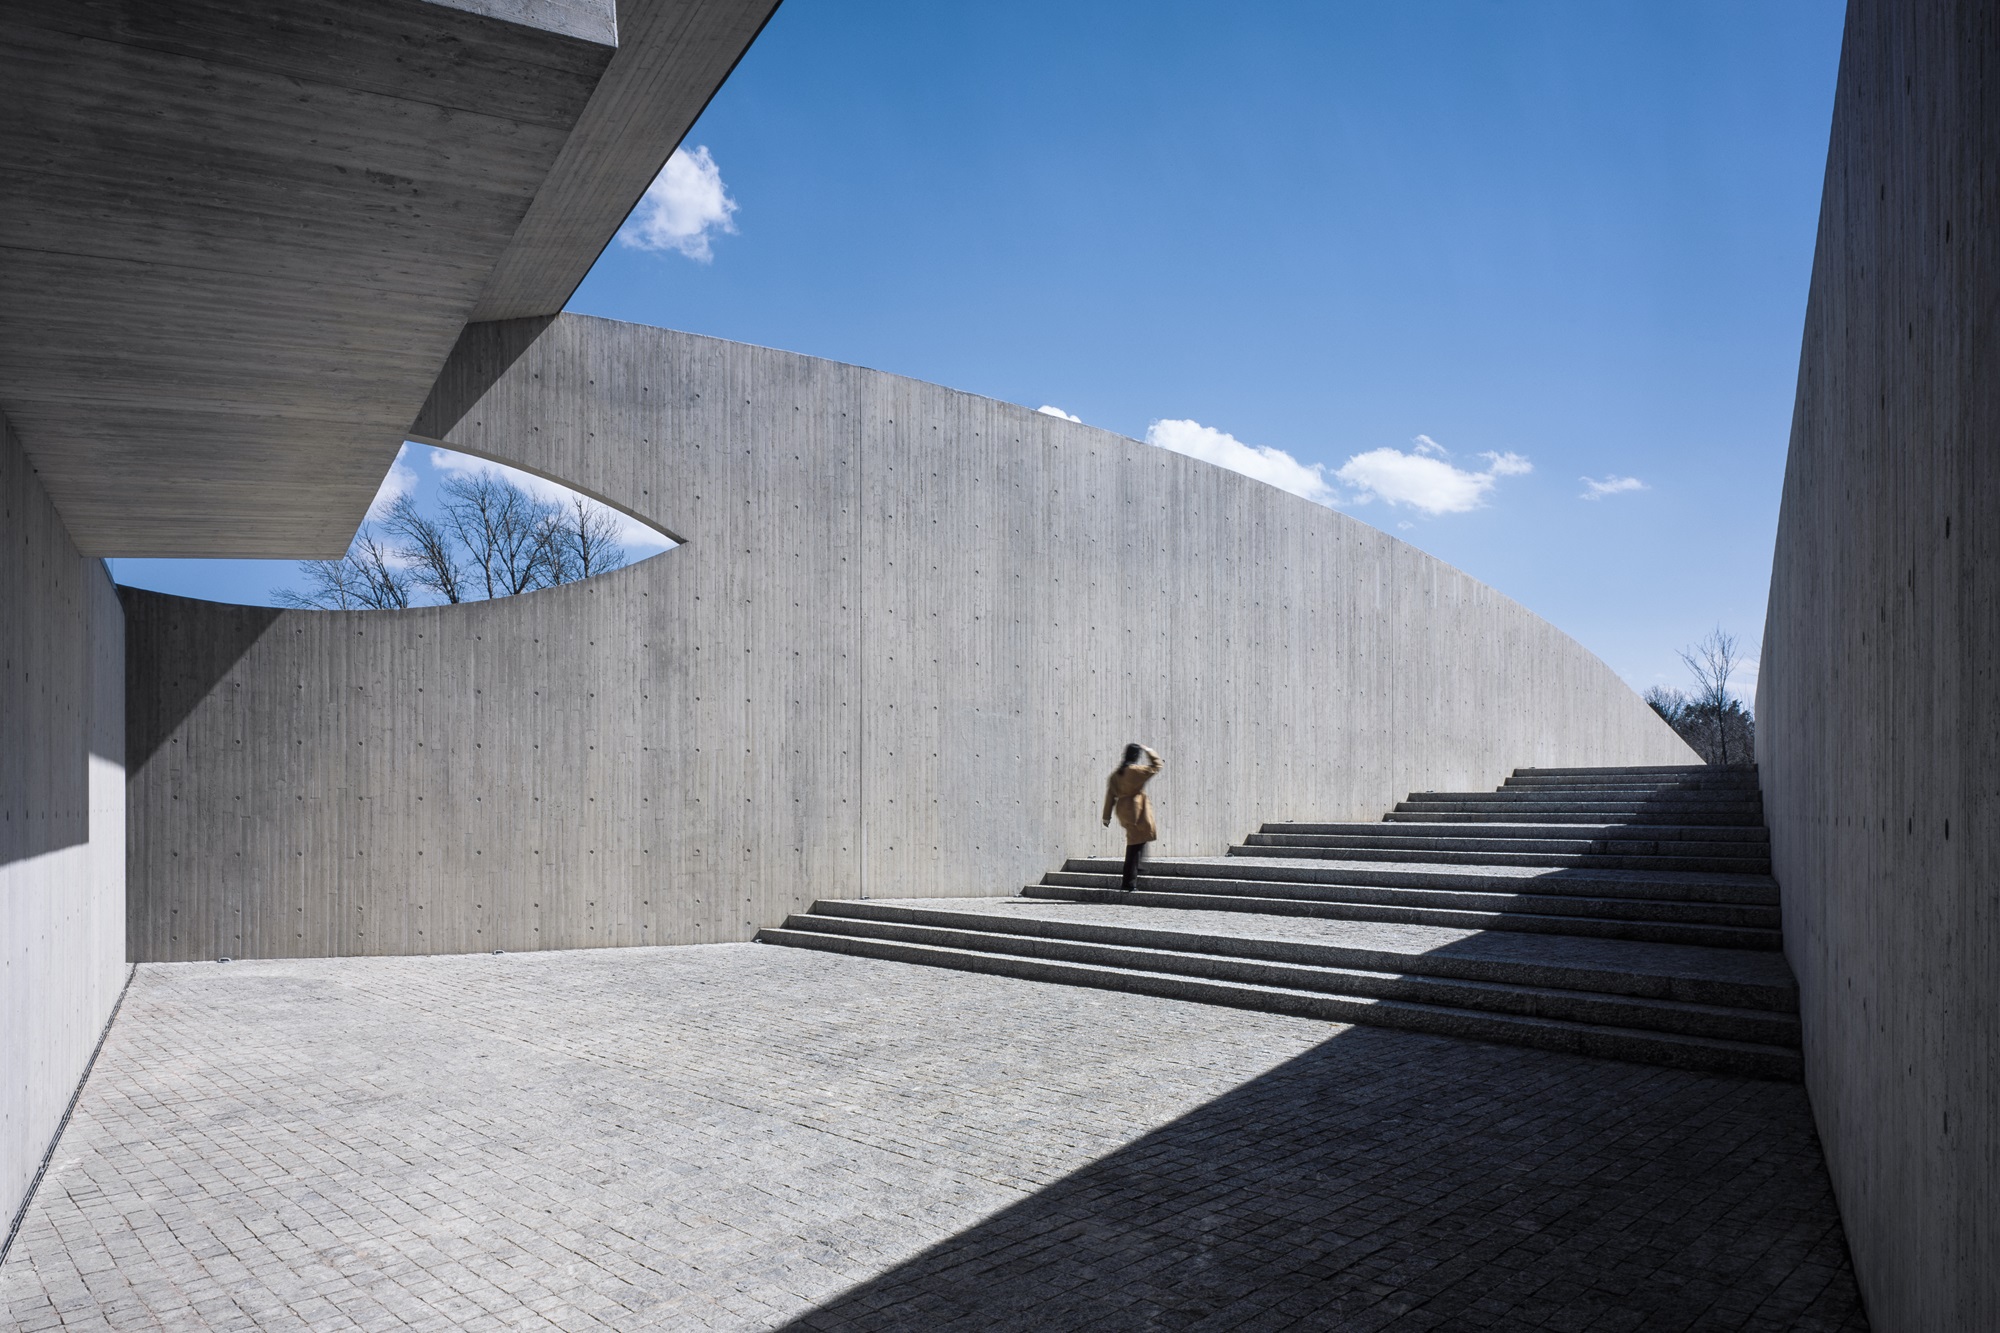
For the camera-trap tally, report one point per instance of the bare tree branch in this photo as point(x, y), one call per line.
point(365, 579)
point(1712, 661)
point(429, 548)
point(1711, 720)
point(505, 531)
point(587, 540)
point(492, 539)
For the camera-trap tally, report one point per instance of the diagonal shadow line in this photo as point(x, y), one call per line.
point(176, 650)
point(480, 358)
point(1387, 1180)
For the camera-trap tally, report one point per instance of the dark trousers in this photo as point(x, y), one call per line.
point(1135, 852)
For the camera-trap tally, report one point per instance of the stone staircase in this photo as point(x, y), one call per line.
point(1627, 913)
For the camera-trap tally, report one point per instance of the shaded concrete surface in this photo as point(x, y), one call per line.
point(1878, 725)
point(62, 818)
point(736, 1136)
point(330, 188)
point(239, 240)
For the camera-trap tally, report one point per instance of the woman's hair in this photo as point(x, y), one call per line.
point(1133, 754)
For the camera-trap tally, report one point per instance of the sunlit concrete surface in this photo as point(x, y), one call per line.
point(740, 1136)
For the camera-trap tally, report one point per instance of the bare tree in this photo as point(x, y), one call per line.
point(365, 579)
point(1670, 704)
point(492, 539)
point(429, 549)
point(586, 540)
point(1712, 661)
point(508, 535)
point(1711, 720)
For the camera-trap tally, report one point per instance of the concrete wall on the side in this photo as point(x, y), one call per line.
point(62, 817)
point(908, 634)
point(1878, 711)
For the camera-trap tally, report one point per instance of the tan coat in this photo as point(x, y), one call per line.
point(1125, 795)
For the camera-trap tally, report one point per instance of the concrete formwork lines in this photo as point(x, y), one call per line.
point(1878, 732)
point(908, 632)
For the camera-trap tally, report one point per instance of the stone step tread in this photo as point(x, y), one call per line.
point(1693, 812)
point(1623, 784)
point(1755, 915)
point(1732, 834)
point(1673, 795)
point(1665, 884)
point(1673, 932)
point(1177, 957)
point(1565, 815)
point(1730, 977)
point(1703, 796)
point(1683, 780)
point(1391, 842)
point(1619, 770)
point(1606, 792)
point(1580, 862)
point(1580, 1038)
point(1389, 856)
point(1604, 814)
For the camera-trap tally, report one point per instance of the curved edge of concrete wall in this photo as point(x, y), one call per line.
point(906, 636)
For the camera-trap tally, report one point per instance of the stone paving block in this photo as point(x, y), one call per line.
point(744, 1137)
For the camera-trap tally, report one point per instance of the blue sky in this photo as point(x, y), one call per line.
point(1423, 235)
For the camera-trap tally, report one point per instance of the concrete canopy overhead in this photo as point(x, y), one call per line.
point(238, 241)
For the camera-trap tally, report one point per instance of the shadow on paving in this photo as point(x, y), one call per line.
point(1389, 1181)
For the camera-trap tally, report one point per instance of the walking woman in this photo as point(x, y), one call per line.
point(1125, 795)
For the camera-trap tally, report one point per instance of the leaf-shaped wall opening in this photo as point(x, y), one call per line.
point(445, 527)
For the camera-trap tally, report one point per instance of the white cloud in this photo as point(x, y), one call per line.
point(400, 481)
point(1046, 410)
point(1423, 479)
point(1609, 486)
point(684, 205)
point(1274, 466)
point(638, 538)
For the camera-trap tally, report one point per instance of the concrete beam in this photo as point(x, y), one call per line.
point(672, 56)
point(236, 241)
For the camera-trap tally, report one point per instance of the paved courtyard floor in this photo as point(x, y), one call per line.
point(750, 1137)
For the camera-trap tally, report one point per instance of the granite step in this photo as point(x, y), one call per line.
point(1437, 851)
point(1623, 913)
point(1732, 978)
point(1639, 770)
point(1273, 898)
point(1676, 1033)
point(1615, 836)
point(1547, 813)
point(1698, 807)
point(1725, 780)
point(1748, 889)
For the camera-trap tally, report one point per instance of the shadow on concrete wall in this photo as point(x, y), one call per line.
point(1384, 1180)
point(178, 662)
point(484, 353)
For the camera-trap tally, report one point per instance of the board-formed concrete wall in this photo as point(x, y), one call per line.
point(908, 633)
point(1879, 690)
point(62, 817)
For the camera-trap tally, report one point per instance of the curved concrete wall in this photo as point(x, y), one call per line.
point(906, 637)
point(1877, 715)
